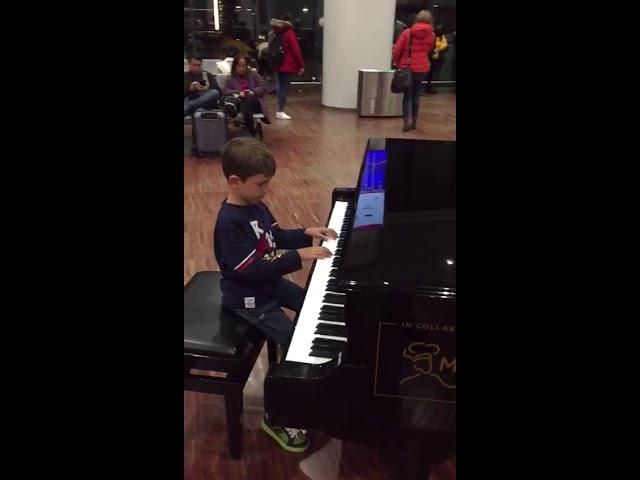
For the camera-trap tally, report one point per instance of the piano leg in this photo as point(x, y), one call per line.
point(234, 407)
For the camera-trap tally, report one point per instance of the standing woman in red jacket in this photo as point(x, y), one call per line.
point(422, 40)
point(292, 63)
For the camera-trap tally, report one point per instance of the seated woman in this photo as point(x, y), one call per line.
point(244, 92)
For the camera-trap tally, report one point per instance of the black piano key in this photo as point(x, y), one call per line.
point(328, 343)
point(335, 294)
point(333, 298)
point(334, 272)
point(332, 310)
point(330, 317)
point(323, 353)
point(326, 309)
point(332, 330)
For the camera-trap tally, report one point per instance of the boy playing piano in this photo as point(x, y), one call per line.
point(246, 236)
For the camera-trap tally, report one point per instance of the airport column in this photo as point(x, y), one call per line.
point(357, 34)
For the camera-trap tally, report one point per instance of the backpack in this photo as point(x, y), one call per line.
point(275, 51)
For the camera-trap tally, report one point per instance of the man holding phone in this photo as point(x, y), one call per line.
point(201, 90)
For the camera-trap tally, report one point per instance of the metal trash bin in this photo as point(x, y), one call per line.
point(375, 98)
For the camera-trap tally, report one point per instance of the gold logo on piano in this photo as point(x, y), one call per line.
point(424, 357)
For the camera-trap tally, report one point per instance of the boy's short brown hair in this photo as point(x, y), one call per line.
point(245, 157)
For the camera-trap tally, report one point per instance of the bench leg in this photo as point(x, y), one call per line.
point(272, 352)
point(233, 404)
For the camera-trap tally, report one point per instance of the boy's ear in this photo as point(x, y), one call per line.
point(234, 180)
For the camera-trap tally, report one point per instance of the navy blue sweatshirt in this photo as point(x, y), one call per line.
point(245, 240)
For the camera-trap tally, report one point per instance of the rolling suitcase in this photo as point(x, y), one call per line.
point(209, 131)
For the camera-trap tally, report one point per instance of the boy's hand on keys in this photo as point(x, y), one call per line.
point(314, 253)
point(321, 233)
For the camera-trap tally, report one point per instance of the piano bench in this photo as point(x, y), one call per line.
point(217, 340)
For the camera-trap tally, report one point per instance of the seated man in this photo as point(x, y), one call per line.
point(201, 90)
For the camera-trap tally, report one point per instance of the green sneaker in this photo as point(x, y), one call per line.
point(290, 439)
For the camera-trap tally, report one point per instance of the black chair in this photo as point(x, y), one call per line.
point(217, 340)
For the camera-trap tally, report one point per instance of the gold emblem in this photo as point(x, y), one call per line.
point(424, 356)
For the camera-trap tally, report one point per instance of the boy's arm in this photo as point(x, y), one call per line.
point(238, 250)
point(290, 239)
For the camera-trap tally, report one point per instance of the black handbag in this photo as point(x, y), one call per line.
point(402, 77)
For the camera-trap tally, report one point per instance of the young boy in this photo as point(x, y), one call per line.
point(245, 240)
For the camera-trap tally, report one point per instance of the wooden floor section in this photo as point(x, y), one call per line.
point(316, 151)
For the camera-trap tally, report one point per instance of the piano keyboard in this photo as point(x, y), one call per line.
point(321, 333)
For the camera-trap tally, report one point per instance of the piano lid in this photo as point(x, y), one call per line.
point(403, 234)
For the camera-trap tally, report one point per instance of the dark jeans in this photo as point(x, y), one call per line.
point(284, 80)
point(270, 318)
point(411, 97)
point(247, 106)
point(208, 99)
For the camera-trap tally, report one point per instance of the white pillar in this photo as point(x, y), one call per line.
point(357, 34)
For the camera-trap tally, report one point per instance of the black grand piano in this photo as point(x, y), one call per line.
point(373, 356)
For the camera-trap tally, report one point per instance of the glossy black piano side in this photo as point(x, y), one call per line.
point(394, 385)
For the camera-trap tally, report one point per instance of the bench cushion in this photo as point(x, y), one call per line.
point(210, 329)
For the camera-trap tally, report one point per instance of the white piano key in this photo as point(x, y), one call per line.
point(330, 337)
point(308, 320)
